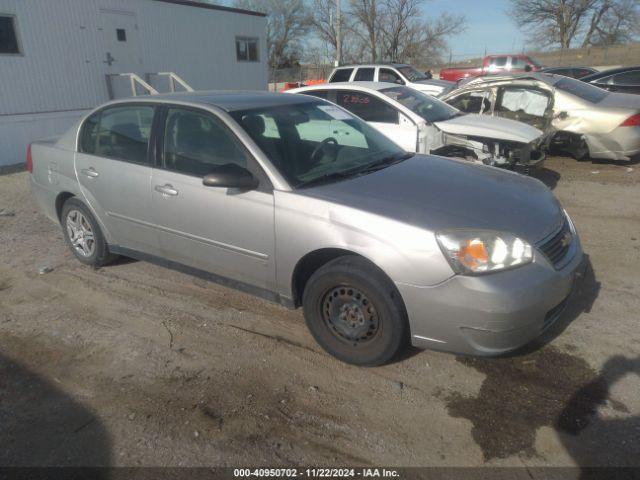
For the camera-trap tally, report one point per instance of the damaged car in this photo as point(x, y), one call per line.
point(423, 124)
point(580, 119)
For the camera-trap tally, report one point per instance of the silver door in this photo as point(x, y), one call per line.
point(114, 175)
point(219, 230)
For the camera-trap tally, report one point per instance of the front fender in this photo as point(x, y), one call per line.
point(407, 254)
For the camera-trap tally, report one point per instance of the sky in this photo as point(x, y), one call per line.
point(488, 26)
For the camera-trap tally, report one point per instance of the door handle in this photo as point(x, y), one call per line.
point(90, 172)
point(166, 189)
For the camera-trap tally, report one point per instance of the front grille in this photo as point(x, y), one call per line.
point(557, 246)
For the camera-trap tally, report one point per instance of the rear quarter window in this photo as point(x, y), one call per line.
point(341, 75)
point(580, 89)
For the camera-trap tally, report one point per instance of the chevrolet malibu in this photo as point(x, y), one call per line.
point(254, 190)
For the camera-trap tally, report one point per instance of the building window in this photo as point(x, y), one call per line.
point(122, 34)
point(247, 49)
point(8, 36)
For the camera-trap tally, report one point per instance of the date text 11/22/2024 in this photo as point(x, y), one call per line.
point(316, 473)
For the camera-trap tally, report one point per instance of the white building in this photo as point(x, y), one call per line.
point(57, 57)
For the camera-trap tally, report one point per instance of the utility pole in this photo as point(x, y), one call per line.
point(338, 38)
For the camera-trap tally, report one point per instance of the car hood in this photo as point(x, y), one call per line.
point(489, 127)
point(437, 193)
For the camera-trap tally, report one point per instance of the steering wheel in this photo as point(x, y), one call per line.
point(320, 147)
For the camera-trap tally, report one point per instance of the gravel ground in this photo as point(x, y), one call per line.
point(133, 364)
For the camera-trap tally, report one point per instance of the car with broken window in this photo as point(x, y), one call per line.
point(398, 73)
point(423, 124)
point(582, 120)
point(256, 191)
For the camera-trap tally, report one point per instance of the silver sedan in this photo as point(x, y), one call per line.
point(586, 121)
point(255, 191)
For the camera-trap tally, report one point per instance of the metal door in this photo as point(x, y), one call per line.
point(121, 49)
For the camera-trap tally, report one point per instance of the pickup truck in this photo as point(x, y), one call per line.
point(492, 64)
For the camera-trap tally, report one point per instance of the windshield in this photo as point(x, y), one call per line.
point(428, 107)
point(412, 74)
point(316, 141)
point(587, 92)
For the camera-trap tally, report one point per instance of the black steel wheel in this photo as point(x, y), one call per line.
point(355, 312)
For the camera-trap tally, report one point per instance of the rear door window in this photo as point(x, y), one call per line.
point(364, 75)
point(121, 133)
point(367, 107)
point(341, 75)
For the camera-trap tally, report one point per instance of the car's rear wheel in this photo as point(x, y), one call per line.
point(355, 312)
point(83, 235)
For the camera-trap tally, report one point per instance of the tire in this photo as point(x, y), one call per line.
point(581, 151)
point(355, 313)
point(77, 224)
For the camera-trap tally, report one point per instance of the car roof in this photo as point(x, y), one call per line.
point(606, 73)
point(547, 78)
point(373, 65)
point(572, 67)
point(230, 101)
point(337, 85)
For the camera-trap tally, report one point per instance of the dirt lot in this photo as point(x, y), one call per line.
point(133, 364)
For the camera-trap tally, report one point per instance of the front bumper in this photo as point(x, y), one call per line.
point(491, 314)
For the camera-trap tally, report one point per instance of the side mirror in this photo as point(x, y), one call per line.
point(399, 81)
point(230, 176)
point(562, 115)
point(527, 68)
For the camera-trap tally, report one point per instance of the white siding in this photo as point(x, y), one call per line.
point(61, 70)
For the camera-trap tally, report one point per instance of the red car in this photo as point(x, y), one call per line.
point(493, 64)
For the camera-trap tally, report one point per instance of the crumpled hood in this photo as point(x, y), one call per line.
point(436, 193)
point(490, 127)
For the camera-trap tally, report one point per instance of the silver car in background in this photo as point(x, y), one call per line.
point(585, 121)
point(254, 191)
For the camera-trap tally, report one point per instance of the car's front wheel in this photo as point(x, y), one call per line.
point(355, 312)
point(83, 235)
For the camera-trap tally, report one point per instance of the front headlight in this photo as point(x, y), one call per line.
point(483, 251)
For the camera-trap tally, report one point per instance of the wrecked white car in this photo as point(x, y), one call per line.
point(580, 119)
point(423, 124)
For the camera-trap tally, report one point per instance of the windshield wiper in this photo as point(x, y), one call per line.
point(357, 171)
point(386, 162)
point(327, 177)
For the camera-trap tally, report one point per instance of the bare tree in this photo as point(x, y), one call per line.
point(565, 22)
point(287, 24)
point(552, 22)
point(613, 22)
point(366, 15)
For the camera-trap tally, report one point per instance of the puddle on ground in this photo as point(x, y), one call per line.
point(521, 394)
